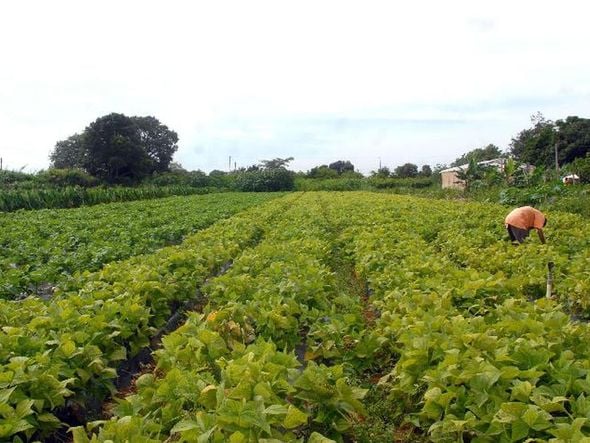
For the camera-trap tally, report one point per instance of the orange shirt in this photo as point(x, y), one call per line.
point(526, 218)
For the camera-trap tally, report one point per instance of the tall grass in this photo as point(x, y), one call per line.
point(75, 196)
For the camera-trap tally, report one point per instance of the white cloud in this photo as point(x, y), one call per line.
point(260, 79)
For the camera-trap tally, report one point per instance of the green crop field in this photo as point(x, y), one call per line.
point(316, 316)
point(46, 247)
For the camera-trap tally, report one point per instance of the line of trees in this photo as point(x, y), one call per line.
point(340, 168)
point(345, 169)
point(117, 149)
point(537, 145)
point(407, 170)
point(488, 152)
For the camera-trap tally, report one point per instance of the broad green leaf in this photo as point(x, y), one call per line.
point(316, 437)
point(294, 418)
point(23, 408)
point(68, 348)
point(79, 435)
point(276, 410)
point(519, 430)
point(5, 394)
point(184, 425)
point(237, 437)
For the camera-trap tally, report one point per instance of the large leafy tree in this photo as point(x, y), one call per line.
point(68, 153)
point(159, 142)
point(268, 176)
point(407, 170)
point(114, 150)
point(118, 149)
point(382, 172)
point(581, 167)
point(535, 145)
point(572, 138)
point(426, 171)
point(276, 163)
point(322, 171)
point(488, 152)
point(342, 166)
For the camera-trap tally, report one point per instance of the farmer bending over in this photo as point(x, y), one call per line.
point(521, 220)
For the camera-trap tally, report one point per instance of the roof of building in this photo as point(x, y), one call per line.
point(493, 162)
point(453, 169)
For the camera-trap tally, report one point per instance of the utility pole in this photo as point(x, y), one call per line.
point(556, 128)
point(556, 160)
point(229, 165)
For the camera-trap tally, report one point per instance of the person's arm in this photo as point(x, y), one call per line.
point(541, 235)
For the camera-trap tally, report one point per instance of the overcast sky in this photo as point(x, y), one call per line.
point(365, 81)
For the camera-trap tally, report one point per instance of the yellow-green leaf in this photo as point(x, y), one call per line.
point(294, 418)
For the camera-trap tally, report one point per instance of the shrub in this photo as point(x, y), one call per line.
point(67, 177)
point(196, 179)
point(389, 183)
point(265, 180)
point(15, 179)
point(581, 167)
point(331, 184)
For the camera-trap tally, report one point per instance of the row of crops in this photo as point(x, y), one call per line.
point(42, 249)
point(468, 354)
point(230, 373)
point(59, 356)
point(327, 294)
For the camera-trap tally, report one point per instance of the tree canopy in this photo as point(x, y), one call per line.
point(407, 170)
point(270, 175)
point(276, 163)
point(322, 171)
point(488, 152)
point(118, 149)
point(573, 139)
point(426, 171)
point(113, 149)
point(159, 142)
point(382, 172)
point(342, 166)
point(535, 145)
point(68, 153)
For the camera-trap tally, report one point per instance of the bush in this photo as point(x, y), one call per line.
point(580, 167)
point(67, 177)
point(265, 180)
point(389, 183)
point(533, 196)
point(332, 184)
point(16, 179)
point(196, 179)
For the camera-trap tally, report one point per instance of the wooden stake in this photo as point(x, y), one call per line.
point(550, 267)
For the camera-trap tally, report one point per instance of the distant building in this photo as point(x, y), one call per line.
point(450, 179)
point(571, 179)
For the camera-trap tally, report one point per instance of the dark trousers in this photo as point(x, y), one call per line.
point(517, 234)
